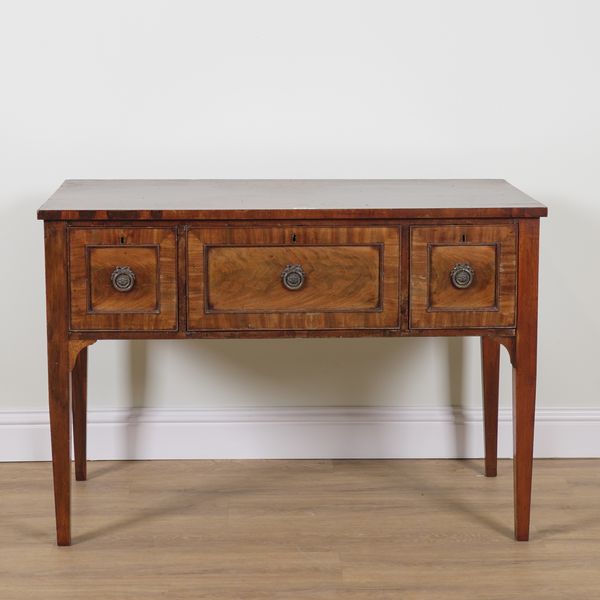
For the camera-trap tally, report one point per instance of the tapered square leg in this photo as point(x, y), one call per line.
point(524, 373)
point(524, 417)
point(59, 402)
point(490, 372)
point(59, 396)
point(79, 402)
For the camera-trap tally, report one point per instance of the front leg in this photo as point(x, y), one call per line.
point(58, 374)
point(524, 373)
point(59, 401)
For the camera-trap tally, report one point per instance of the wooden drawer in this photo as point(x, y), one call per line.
point(336, 277)
point(462, 276)
point(123, 278)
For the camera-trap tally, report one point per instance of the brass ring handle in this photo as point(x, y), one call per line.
point(462, 275)
point(122, 279)
point(293, 277)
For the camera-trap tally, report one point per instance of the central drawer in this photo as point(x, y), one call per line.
point(292, 278)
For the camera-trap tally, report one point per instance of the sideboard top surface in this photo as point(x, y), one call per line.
point(213, 199)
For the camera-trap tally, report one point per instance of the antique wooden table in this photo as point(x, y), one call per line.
point(307, 258)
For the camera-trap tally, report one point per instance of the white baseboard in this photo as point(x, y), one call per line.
point(336, 432)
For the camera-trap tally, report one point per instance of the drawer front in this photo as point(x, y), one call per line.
point(123, 278)
point(286, 278)
point(462, 276)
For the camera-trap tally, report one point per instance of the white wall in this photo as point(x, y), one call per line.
point(297, 89)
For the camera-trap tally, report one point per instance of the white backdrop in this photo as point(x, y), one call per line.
point(298, 89)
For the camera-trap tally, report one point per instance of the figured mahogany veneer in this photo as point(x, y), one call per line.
point(489, 301)
point(234, 277)
point(150, 253)
point(270, 258)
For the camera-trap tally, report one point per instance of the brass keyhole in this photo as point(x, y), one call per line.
point(293, 238)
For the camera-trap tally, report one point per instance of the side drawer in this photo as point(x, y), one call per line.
point(123, 278)
point(292, 278)
point(462, 276)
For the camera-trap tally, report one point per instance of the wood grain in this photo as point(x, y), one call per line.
point(79, 404)
point(59, 395)
point(252, 334)
point(248, 279)
point(152, 254)
point(208, 257)
point(480, 295)
point(234, 278)
point(288, 199)
point(298, 529)
point(143, 262)
point(75, 347)
point(490, 379)
point(435, 303)
point(525, 372)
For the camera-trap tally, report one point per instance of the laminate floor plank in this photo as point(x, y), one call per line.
point(320, 529)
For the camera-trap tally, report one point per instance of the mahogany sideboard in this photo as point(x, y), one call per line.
point(158, 259)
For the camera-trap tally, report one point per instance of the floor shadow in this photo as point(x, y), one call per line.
point(257, 480)
point(575, 526)
point(96, 471)
point(188, 499)
point(433, 489)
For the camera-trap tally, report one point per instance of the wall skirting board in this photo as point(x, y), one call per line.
point(335, 432)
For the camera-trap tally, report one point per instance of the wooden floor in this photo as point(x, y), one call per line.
point(321, 529)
